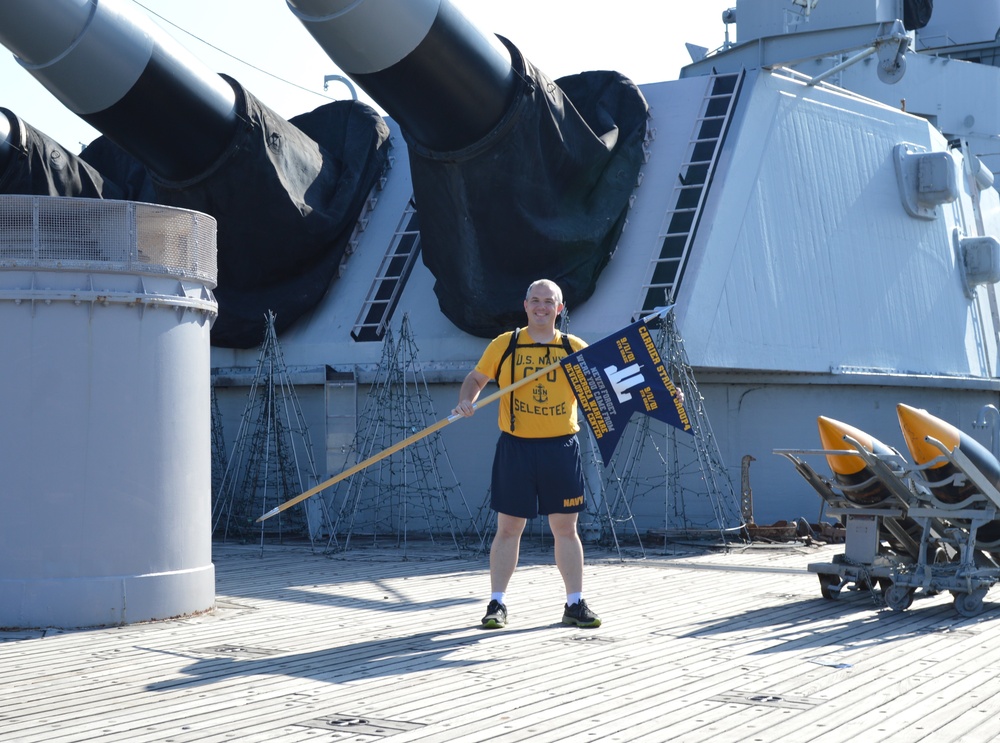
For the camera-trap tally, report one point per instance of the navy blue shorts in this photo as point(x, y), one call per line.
point(537, 476)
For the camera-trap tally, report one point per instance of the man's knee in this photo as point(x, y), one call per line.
point(563, 524)
point(509, 527)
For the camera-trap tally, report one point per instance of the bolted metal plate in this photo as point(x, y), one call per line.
point(361, 725)
point(765, 699)
point(239, 651)
point(587, 638)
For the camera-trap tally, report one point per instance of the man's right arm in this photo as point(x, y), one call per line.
point(472, 385)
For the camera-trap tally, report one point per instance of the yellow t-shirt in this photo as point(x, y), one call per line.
point(544, 407)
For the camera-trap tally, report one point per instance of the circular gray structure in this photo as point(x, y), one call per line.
point(105, 448)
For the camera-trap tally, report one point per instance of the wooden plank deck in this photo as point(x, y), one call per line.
point(364, 645)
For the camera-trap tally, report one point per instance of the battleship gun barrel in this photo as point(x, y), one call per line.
point(285, 194)
point(445, 82)
point(121, 74)
point(5, 146)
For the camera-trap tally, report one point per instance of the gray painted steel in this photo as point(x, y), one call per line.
point(106, 308)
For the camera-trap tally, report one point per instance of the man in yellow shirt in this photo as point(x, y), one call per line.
point(537, 467)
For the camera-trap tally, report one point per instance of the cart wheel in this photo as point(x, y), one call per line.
point(969, 604)
point(830, 585)
point(899, 598)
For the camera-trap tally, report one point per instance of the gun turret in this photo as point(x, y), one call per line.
point(516, 176)
point(178, 134)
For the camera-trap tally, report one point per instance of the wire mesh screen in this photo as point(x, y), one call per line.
point(47, 232)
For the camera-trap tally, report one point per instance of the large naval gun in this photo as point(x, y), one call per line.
point(515, 175)
point(469, 108)
point(286, 194)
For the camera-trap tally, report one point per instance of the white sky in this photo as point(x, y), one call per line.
point(271, 54)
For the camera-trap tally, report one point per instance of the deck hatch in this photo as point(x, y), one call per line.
point(765, 699)
point(361, 725)
point(588, 638)
point(241, 651)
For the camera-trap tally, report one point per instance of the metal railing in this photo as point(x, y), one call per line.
point(48, 232)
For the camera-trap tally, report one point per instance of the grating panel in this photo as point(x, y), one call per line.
point(47, 232)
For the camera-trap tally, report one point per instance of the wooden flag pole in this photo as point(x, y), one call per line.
point(406, 442)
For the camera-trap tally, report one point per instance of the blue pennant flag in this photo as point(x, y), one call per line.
point(618, 376)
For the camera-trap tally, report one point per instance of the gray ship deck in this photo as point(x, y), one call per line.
point(366, 646)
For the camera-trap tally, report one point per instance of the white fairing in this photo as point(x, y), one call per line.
point(824, 268)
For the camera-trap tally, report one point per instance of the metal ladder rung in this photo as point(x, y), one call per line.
point(706, 141)
point(402, 249)
point(398, 253)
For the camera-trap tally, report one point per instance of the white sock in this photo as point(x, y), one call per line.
point(500, 596)
point(573, 598)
